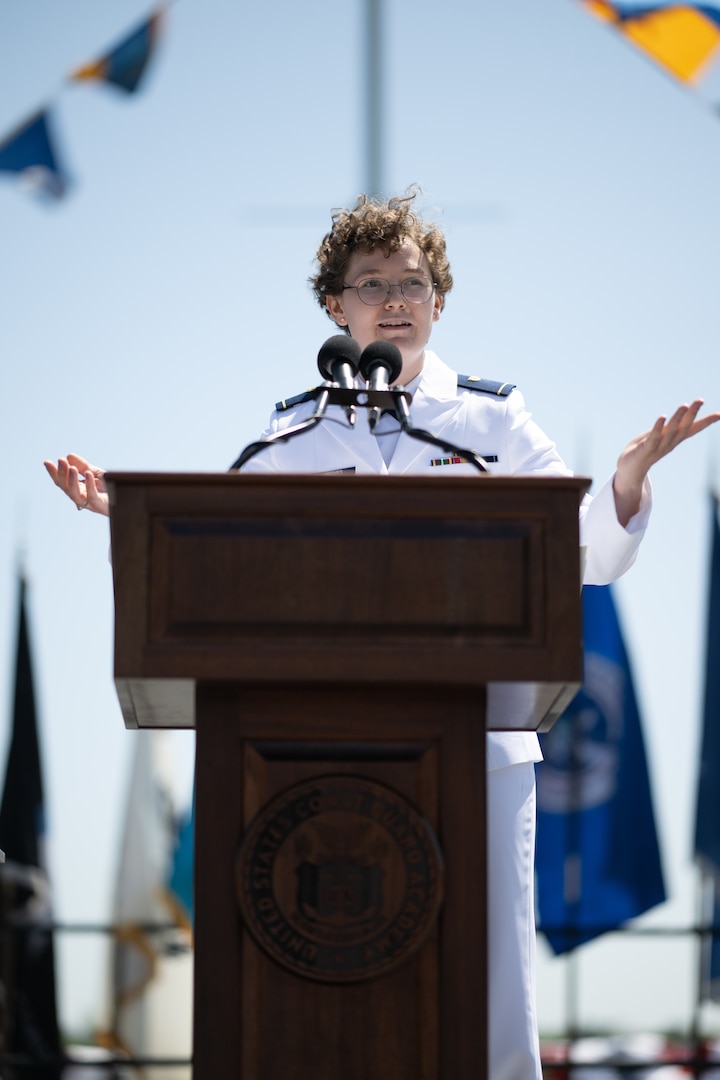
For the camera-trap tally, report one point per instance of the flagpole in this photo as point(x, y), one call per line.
point(374, 98)
point(704, 945)
point(707, 833)
point(572, 987)
point(573, 884)
point(7, 976)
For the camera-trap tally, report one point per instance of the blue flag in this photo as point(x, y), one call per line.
point(124, 65)
point(29, 153)
point(707, 825)
point(181, 871)
point(597, 859)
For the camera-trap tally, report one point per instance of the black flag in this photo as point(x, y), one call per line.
point(28, 1016)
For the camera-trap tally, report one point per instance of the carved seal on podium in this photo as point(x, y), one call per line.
point(339, 879)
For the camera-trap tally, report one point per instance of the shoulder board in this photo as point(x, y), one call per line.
point(485, 386)
point(291, 402)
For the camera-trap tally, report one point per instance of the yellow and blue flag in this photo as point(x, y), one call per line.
point(151, 932)
point(29, 153)
point(126, 63)
point(707, 822)
point(682, 38)
point(597, 860)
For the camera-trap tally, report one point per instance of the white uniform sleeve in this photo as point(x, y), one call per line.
point(611, 548)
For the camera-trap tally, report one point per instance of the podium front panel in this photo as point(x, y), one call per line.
point(394, 1009)
point(330, 579)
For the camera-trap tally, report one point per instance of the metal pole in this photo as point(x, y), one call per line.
point(573, 885)
point(374, 99)
point(704, 942)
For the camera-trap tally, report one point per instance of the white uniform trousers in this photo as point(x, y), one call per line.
point(514, 1050)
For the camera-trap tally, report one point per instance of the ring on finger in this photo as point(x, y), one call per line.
point(82, 505)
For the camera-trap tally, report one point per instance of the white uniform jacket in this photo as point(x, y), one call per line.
point(501, 430)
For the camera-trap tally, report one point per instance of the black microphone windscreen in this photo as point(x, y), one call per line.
point(382, 353)
point(341, 348)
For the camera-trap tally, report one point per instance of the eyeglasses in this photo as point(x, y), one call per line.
point(374, 291)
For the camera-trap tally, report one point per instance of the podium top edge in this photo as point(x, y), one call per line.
point(183, 479)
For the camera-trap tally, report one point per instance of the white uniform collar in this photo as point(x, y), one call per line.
point(437, 380)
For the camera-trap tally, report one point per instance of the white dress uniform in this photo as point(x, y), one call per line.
point(497, 426)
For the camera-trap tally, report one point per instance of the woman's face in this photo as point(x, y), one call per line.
point(396, 319)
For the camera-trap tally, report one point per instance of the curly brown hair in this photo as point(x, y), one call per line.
point(377, 223)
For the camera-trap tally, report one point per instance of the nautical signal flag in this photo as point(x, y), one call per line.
point(29, 152)
point(682, 38)
point(125, 64)
point(707, 823)
point(597, 858)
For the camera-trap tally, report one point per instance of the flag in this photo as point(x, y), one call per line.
point(597, 859)
point(682, 38)
point(180, 884)
point(27, 961)
point(124, 65)
point(707, 822)
point(30, 154)
point(147, 927)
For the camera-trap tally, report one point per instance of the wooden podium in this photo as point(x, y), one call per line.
point(340, 643)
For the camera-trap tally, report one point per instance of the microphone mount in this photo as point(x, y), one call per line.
point(394, 399)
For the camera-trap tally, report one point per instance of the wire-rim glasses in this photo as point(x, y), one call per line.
point(375, 291)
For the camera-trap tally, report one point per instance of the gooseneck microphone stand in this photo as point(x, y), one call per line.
point(393, 399)
point(403, 414)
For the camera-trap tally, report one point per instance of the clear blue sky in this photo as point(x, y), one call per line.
point(151, 319)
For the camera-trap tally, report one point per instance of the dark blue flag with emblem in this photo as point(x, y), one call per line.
point(597, 858)
point(28, 1014)
point(707, 824)
point(29, 154)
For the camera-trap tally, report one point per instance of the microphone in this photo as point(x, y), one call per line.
point(380, 365)
point(338, 361)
